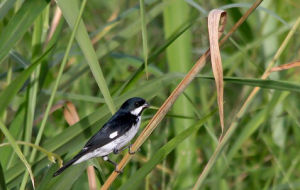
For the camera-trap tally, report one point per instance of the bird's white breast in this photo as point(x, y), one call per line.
point(126, 138)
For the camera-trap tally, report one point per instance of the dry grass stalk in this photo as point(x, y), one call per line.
point(286, 66)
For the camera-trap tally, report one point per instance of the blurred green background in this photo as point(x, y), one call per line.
point(113, 49)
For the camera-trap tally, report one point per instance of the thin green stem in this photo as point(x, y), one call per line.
point(144, 34)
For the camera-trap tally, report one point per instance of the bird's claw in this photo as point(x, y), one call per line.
point(118, 171)
point(132, 152)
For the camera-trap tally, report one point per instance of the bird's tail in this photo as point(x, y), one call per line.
point(69, 163)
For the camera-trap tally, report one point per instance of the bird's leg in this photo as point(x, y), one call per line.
point(117, 151)
point(113, 163)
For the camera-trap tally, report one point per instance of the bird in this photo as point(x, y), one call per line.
point(114, 135)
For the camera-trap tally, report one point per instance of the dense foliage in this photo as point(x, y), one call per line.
point(51, 62)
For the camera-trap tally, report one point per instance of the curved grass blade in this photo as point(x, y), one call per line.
point(216, 24)
point(15, 129)
point(248, 5)
point(134, 181)
point(19, 24)
point(51, 156)
point(17, 150)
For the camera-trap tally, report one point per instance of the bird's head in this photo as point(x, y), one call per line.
point(135, 105)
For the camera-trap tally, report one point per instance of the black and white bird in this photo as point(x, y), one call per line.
point(114, 135)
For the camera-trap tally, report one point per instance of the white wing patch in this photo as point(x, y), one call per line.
point(113, 135)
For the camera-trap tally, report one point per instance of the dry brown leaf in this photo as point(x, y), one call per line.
point(92, 178)
point(286, 66)
point(70, 113)
point(216, 25)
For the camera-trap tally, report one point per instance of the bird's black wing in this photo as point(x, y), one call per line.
point(120, 122)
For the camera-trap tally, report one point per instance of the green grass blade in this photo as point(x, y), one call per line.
point(70, 10)
point(2, 180)
point(144, 34)
point(32, 90)
point(9, 93)
point(19, 24)
point(179, 57)
point(49, 105)
point(67, 179)
point(17, 150)
point(267, 84)
point(137, 178)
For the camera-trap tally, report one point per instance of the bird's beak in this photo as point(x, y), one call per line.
point(146, 105)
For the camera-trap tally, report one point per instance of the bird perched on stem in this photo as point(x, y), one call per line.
point(114, 135)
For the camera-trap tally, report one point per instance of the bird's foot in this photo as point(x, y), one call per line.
point(116, 151)
point(118, 171)
point(132, 152)
point(113, 163)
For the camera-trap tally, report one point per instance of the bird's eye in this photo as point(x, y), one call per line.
point(137, 104)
